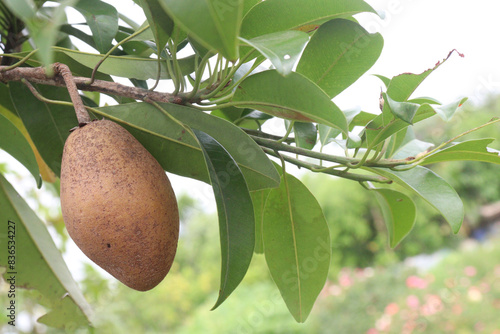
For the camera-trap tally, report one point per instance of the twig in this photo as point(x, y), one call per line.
point(81, 113)
point(315, 168)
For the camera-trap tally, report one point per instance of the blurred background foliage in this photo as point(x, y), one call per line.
point(371, 288)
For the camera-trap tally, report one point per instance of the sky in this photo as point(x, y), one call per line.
point(417, 34)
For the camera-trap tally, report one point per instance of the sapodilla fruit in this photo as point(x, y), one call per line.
point(118, 204)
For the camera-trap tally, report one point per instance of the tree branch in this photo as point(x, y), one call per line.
point(38, 75)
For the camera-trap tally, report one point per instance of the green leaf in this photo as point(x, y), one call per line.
point(129, 67)
point(399, 214)
point(405, 111)
point(306, 134)
point(362, 119)
point(214, 23)
point(276, 15)
point(24, 9)
point(475, 149)
point(338, 54)
point(412, 148)
point(281, 48)
point(328, 134)
point(248, 4)
point(44, 31)
point(76, 68)
point(259, 198)
point(296, 245)
point(400, 139)
point(402, 86)
point(293, 97)
point(102, 20)
point(71, 30)
point(13, 142)
point(236, 215)
point(168, 141)
point(48, 124)
point(446, 112)
point(160, 23)
point(385, 80)
point(422, 100)
point(244, 118)
point(39, 264)
point(353, 141)
point(433, 189)
point(376, 132)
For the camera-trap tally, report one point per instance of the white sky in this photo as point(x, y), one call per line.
point(418, 33)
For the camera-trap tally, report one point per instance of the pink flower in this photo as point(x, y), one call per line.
point(372, 331)
point(415, 282)
point(470, 271)
point(413, 302)
point(432, 305)
point(392, 309)
point(345, 281)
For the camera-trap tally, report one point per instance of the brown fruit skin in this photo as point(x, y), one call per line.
point(118, 204)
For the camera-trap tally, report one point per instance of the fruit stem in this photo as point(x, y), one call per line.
point(81, 113)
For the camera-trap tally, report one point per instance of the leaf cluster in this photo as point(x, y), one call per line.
point(232, 69)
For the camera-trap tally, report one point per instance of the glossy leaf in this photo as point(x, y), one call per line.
point(160, 23)
point(259, 198)
point(399, 213)
point(48, 124)
point(102, 20)
point(244, 118)
point(59, 56)
point(7, 110)
point(362, 119)
point(215, 24)
point(376, 132)
point(248, 4)
point(403, 110)
point(24, 9)
point(402, 86)
point(44, 31)
point(276, 15)
point(433, 189)
point(400, 139)
point(39, 264)
point(353, 141)
point(235, 211)
point(129, 67)
point(296, 245)
point(412, 148)
point(13, 142)
point(328, 134)
point(475, 150)
point(293, 97)
point(306, 134)
point(281, 48)
point(338, 54)
point(168, 141)
point(446, 112)
point(71, 30)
